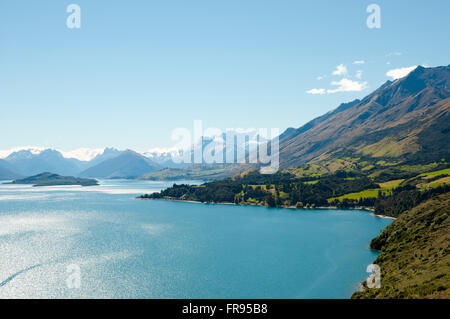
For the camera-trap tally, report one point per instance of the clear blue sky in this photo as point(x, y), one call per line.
point(138, 69)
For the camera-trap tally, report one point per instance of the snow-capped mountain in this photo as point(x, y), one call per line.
point(233, 144)
point(107, 154)
point(81, 154)
point(31, 149)
point(163, 156)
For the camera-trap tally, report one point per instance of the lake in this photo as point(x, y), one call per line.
point(129, 248)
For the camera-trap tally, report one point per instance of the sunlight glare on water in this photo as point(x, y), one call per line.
point(130, 248)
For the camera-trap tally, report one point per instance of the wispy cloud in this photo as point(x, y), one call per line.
point(83, 154)
point(393, 53)
point(347, 85)
point(401, 72)
point(343, 85)
point(321, 77)
point(359, 74)
point(341, 69)
point(316, 91)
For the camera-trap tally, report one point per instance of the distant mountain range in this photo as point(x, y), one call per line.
point(405, 120)
point(27, 163)
point(110, 162)
point(107, 154)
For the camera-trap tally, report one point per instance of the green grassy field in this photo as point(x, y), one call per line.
point(387, 187)
point(437, 183)
point(312, 182)
point(368, 193)
point(436, 173)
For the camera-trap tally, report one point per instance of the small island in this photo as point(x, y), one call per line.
point(50, 179)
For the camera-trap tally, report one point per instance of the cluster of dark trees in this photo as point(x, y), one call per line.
point(222, 192)
point(405, 198)
point(281, 189)
point(328, 187)
point(402, 199)
point(349, 203)
point(284, 189)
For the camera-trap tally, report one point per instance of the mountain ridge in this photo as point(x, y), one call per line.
point(7, 171)
point(26, 163)
point(412, 108)
point(129, 164)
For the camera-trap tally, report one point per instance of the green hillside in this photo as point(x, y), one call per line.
point(415, 253)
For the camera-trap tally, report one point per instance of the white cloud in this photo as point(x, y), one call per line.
point(359, 74)
point(347, 85)
point(321, 77)
point(340, 70)
point(343, 85)
point(83, 154)
point(316, 91)
point(401, 72)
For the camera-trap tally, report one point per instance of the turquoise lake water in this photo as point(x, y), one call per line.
point(130, 248)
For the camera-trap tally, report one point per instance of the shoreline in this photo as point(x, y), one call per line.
point(383, 216)
point(368, 209)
